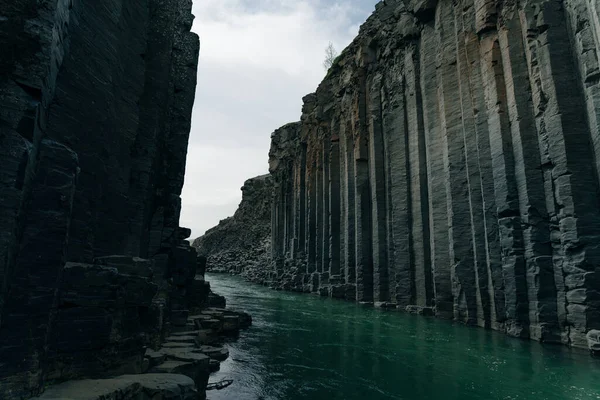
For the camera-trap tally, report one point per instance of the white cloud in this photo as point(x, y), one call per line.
point(258, 58)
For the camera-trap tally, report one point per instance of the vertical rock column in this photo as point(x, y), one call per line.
point(326, 208)
point(457, 186)
point(395, 136)
point(334, 208)
point(417, 175)
point(505, 189)
point(379, 227)
point(318, 177)
point(488, 264)
point(362, 201)
point(349, 215)
point(436, 176)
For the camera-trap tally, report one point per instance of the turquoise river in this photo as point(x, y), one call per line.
point(307, 347)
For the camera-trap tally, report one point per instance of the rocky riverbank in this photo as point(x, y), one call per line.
point(179, 368)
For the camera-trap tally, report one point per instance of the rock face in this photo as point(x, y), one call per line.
point(243, 241)
point(449, 164)
point(95, 106)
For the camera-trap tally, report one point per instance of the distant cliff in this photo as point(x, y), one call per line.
point(95, 108)
point(448, 164)
point(243, 241)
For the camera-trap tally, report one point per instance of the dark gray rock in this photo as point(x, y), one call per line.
point(126, 387)
point(95, 110)
point(448, 164)
point(242, 242)
point(199, 372)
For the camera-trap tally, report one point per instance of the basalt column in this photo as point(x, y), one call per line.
point(362, 200)
point(95, 110)
point(450, 159)
point(381, 290)
point(417, 183)
point(334, 208)
point(349, 195)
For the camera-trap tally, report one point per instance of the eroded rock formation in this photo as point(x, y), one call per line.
point(448, 164)
point(95, 106)
point(243, 241)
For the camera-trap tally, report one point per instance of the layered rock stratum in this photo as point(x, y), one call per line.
point(95, 109)
point(449, 164)
point(242, 243)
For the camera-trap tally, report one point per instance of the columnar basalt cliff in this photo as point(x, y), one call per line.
point(95, 109)
point(242, 242)
point(448, 164)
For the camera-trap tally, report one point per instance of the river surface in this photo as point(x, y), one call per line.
point(307, 347)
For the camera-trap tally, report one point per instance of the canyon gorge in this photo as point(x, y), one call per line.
point(448, 165)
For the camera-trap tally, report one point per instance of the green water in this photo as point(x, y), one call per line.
point(306, 347)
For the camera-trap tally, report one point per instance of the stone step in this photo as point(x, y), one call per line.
point(216, 353)
point(185, 354)
point(181, 339)
point(171, 345)
point(126, 387)
point(206, 336)
point(198, 372)
point(219, 313)
point(214, 324)
point(186, 328)
point(214, 314)
point(154, 358)
point(186, 333)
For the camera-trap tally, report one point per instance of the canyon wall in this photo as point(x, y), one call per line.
point(242, 243)
point(95, 109)
point(448, 164)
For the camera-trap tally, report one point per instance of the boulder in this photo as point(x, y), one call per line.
point(593, 341)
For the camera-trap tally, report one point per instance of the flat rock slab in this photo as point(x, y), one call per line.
point(188, 327)
point(186, 333)
point(212, 323)
point(180, 339)
point(206, 336)
point(126, 387)
point(188, 354)
point(216, 353)
point(199, 373)
point(171, 345)
point(154, 357)
point(214, 313)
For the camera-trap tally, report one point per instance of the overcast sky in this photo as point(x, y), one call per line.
point(258, 58)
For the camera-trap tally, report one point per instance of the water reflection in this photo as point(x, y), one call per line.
point(306, 347)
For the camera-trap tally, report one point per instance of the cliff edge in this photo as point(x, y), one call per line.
point(242, 242)
point(448, 164)
point(95, 109)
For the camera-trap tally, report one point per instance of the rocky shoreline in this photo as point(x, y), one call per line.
point(178, 368)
